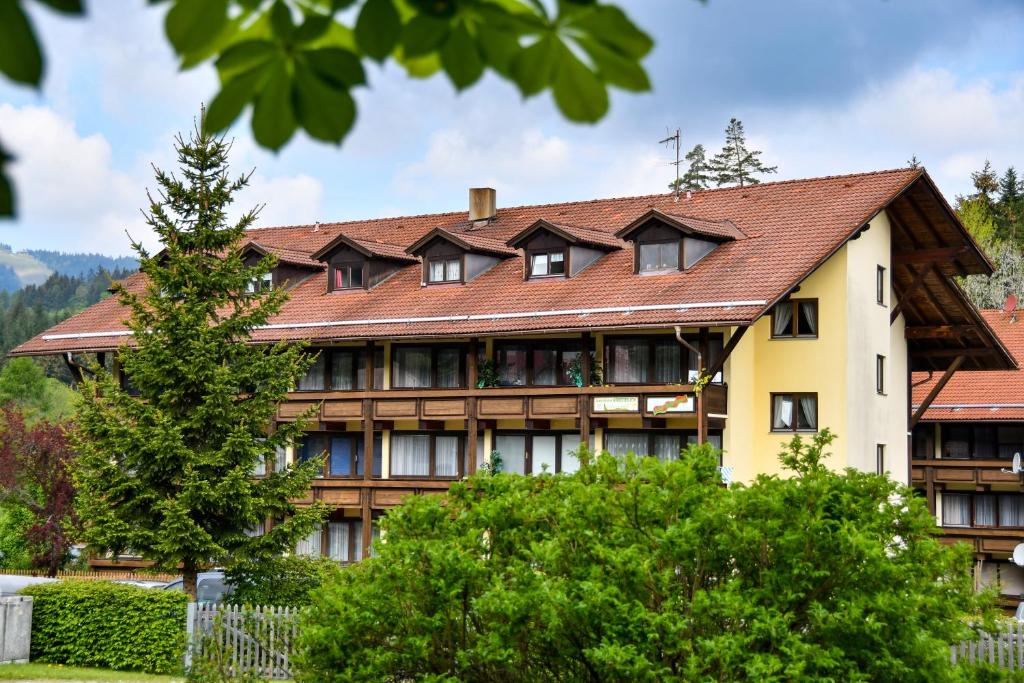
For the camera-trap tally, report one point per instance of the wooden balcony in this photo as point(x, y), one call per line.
point(988, 541)
point(949, 471)
point(502, 403)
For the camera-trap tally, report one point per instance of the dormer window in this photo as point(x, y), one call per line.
point(664, 243)
point(444, 269)
point(547, 263)
point(260, 284)
point(659, 256)
point(347, 275)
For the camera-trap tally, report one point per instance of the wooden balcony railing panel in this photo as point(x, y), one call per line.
point(957, 471)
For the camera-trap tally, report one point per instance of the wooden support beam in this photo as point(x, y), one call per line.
point(729, 346)
point(471, 433)
point(938, 255)
point(938, 331)
point(584, 408)
point(939, 386)
point(953, 353)
point(905, 294)
point(586, 344)
point(367, 519)
point(368, 434)
point(471, 369)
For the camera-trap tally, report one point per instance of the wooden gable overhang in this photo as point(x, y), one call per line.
point(930, 249)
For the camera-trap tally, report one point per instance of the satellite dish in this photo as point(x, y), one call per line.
point(1018, 555)
point(1015, 468)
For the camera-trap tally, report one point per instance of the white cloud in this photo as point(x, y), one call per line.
point(287, 200)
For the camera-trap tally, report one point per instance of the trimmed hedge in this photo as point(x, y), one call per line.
point(108, 625)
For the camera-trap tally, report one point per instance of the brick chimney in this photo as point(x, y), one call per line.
point(482, 204)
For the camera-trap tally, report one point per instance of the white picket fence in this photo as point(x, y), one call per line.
point(238, 640)
point(1005, 648)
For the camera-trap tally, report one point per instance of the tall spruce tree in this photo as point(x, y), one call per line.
point(168, 475)
point(986, 182)
point(1009, 208)
point(698, 175)
point(735, 164)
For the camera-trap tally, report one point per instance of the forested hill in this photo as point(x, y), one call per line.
point(82, 264)
point(30, 310)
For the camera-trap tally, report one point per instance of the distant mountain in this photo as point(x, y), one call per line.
point(33, 266)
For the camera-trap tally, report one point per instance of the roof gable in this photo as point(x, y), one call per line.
point(368, 248)
point(719, 231)
point(465, 241)
point(571, 234)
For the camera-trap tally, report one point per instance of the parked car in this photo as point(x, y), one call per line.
point(10, 585)
point(142, 583)
point(210, 587)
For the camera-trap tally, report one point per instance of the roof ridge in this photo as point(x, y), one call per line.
point(770, 183)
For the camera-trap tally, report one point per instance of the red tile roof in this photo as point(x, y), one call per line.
point(470, 241)
point(575, 235)
point(790, 227)
point(989, 395)
point(285, 255)
point(721, 229)
point(372, 248)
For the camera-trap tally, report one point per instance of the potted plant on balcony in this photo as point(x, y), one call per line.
point(486, 374)
point(574, 369)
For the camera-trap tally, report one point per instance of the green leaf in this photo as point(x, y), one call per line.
point(534, 68)
point(65, 6)
point(611, 26)
point(424, 34)
point(244, 56)
point(313, 27)
point(232, 98)
point(461, 59)
point(421, 67)
point(6, 188)
point(378, 28)
point(281, 21)
point(192, 24)
point(615, 68)
point(228, 35)
point(20, 58)
point(325, 112)
point(335, 65)
point(498, 48)
point(578, 92)
point(273, 119)
point(437, 8)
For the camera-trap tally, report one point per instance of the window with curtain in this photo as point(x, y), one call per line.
point(627, 361)
point(314, 379)
point(794, 412)
point(543, 456)
point(956, 509)
point(448, 361)
point(344, 363)
point(338, 538)
point(1011, 509)
point(412, 367)
point(667, 365)
point(410, 455)
point(512, 448)
point(547, 263)
point(795, 318)
point(621, 443)
point(445, 269)
point(348, 275)
point(535, 364)
point(956, 441)
point(545, 366)
point(659, 256)
point(446, 456)
point(985, 510)
point(260, 468)
point(256, 530)
point(310, 545)
point(666, 447)
point(570, 461)
point(512, 363)
point(280, 459)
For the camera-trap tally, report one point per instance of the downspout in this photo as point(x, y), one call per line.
point(702, 430)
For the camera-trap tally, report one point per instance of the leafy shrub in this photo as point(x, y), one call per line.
point(108, 625)
point(285, 581)
point(638, 570)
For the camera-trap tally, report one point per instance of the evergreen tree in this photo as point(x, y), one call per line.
point(986, 183)
point(698, 175)
point(170, 476)
point(913, 162)
point(1009, 208)
point(735, 164)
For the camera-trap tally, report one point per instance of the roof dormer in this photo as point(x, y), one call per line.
point(359, 264)
point(552, 250)
point(292, 266)
point(666, 243)
point(457, 257)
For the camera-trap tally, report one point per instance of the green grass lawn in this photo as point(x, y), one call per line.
point(55, 672)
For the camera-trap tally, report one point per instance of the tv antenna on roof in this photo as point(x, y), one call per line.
point(674, 140)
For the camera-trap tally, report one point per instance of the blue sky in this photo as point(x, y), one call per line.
point(822, 87)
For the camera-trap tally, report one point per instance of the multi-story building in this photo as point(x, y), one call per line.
point(525, 331)
point(963, 448)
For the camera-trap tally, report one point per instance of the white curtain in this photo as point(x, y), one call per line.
point(985, 510)
point(412, 368)
point(454, 269)
point(310, 545)
point(256, 530)
point(545, 449)
point(629, 362)
point(782, 412)
point(1011, 509)
point(783, 319)
point(512, 448)
point(480, 454)
point(666, 363)
point(446, 449)
point(620, 443)
point(280, 459)
point(808, 412)
point(314, 378)
point(809, 310)
point(437, 271)
point(956, 509)
point(570, 462)
point(448, 368)
point(341, 370)
point(337, 541)
point(410, 455)
point(666, 447)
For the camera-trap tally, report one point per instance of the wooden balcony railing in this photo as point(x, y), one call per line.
point(956, 471)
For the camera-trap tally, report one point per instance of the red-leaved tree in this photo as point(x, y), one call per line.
point(35, 472)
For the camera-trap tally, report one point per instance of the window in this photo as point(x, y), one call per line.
point(794, 412)
point(436, 455)
point(345, 540)
point(547, 263)
point(795, 318)
point(981, 441)
point(538, 453)
point(424, 367)
point(880, 374)
point(663, 445)
point(347, 276)
point(956, 509)
point(345, 458)
point(880, 458)
point(880, 285)
point(261, 283)
point(923, 441)
point(984, 510)
point(315, 378)
point(657, 360)
point(658, 256)
point(444, 269)
point(310, 545)
point(312, 446)
point(541, 364)
point(343, 369)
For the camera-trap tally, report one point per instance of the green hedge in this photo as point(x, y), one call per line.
point(108, 625)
